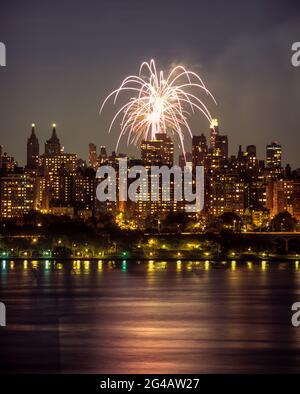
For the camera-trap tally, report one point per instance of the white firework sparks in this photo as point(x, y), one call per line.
point(159, 104)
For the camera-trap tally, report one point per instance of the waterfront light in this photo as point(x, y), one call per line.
point(297, 264)
point(100, 265)
point(178, 265)
point(25, 263)
point(4, 264)
point(249, 264)
point(206, 265)
point(263, 265)
point(151, 266)
point(124, 265)
point(164, 265)
point(76, 265)
point(233, 265)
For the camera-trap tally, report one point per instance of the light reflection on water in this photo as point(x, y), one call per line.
point(149, 316)
point(85, 266)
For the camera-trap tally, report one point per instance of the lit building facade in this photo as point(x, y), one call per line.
point(16, 195)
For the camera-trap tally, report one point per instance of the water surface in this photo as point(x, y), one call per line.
point(149, 317)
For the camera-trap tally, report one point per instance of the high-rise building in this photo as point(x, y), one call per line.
point(16, 195)
point(159, 151)
point(273, 155)
point(218, 151)
point(250, 158)
point(221, 146)
point(225, 192)
point(214, 132)
point(84, 191)
point(52, 146)
point(33, 149)
point(8, 163)
point(199, 150)
point(93, 159)
point(102, 158)
point(53, 163)
point(282, 196)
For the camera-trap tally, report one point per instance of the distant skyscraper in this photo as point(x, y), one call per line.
point(250, 157)
point(214, 132)
point(8, 162)
point(199, 150)
point(33, 149)
point(102, 159)
point(92, 155)
point(273, 154)
point(52, 146)
point(221, 146)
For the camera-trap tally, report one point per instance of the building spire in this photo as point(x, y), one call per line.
point(33, 135)
point(52, 146)
point(54, 135)
point(32, 149)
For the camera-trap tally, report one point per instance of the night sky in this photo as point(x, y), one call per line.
point(64, 57)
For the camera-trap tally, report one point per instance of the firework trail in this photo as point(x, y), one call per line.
point(159, 104)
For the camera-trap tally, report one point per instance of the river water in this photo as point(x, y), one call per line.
point(149, 317)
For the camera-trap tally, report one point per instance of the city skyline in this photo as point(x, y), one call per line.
point(63, 184)
point(136, 153)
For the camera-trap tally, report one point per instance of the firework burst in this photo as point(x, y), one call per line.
point(159, 104)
